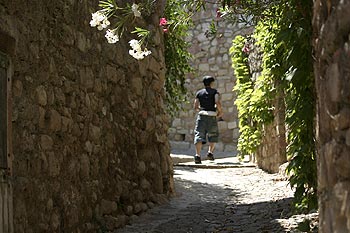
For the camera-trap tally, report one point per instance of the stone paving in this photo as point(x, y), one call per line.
point(240, 199)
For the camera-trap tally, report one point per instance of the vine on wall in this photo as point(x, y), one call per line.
point(285, 41)
point(253, 99)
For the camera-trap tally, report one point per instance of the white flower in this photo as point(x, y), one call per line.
point(136, 54)
point(105, 23)
point(111, 36)
point(146, 52)
point(135, 45)
point(136, 50)
point(135, 10)
point(99, 20)
point(139, 55)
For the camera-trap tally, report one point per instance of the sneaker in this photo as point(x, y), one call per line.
point(210, 156)
point(197, 160)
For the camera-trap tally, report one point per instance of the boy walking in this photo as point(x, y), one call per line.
point(208, 105)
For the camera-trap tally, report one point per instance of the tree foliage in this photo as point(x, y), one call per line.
point(285, 41)
point(177, 56)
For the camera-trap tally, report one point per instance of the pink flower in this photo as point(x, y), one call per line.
point(218, 13)
point(245, 49)
point(163, 22)
point(165, 30)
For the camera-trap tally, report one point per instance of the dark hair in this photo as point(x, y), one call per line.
point(207, 80)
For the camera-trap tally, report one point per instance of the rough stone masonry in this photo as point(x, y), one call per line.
point(331, 24)
point(88, 125)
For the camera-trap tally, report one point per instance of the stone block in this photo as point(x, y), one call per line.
point(235, 133)
point(232, 125)
point(177, 122)
point(82, 42)
point(53, 164)
point(347, 137)
point(137, 86)
point(137, 208)
point(212, 61)
point(226, 136)
point(227, 97)
point(219, 146)
point(229, 87)
point(189, 137)
point(175, 145)
point(144, 206)
point(222, 126)
point(342, 120)
point(161, 137)
point(86, 76)
point(203, 67)
point(17, 88)
point(129, 210)
point(94, 133)
point(214, 68)
point(183, 131)
point(108, 207)
point(54, 123)
point(150, 205)
point(41, 95)
point(84, 167)
point(201, 37)
point(179, 137)
point(334, 83)
point(231, 148)
point(141, 168)
point(150, 124)
point(224, 51)
point(112, 222)
point(46, 142)
point(55, 221)
point(225, 57)
point(66, 124)
point(212, 52)
point(342, 163)
point(172, 130)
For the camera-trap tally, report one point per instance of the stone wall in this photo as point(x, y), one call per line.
point(331, 23)
point(272, 151)
point(271, 154)
point(211, 57)
point(89, 128)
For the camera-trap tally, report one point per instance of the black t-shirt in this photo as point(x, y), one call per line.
point(206, 98)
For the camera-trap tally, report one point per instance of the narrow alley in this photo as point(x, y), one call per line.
point(222, 198)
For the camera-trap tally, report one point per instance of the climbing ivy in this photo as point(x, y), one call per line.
point(253, 99)
point(285, 41)
point(296, 34)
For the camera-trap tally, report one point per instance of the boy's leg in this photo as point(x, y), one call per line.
point(197, 157)
point(198, 148)
point(211, 147)
point(213, 136)
point(199, 138)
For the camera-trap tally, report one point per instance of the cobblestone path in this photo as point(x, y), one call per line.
point(221, 200)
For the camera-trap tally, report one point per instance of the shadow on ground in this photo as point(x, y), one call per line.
point(206, 207)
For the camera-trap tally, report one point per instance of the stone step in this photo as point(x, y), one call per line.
point(219, 162)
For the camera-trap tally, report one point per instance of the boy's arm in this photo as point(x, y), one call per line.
point(218, 105)
point(196, 104)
